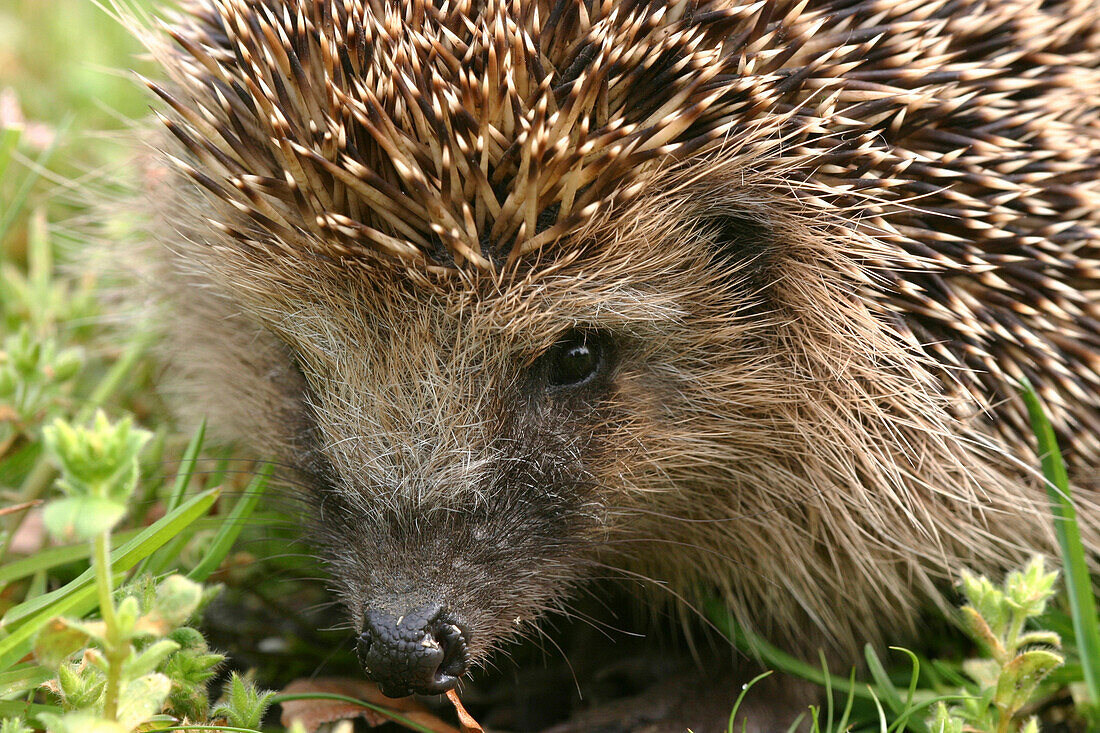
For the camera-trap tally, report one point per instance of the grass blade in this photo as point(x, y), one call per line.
point(15, 206)
point(18, 643)
point(231, 527)
point(187, 466)
point(22, 678)
point(885, 686)
point(889, 693)
point(79, 597)
point(775, 657)
point(1086, 625)
point(157, 562)
point(25, 710)
point(741, 698)
point(54, 556)
point(9, 139)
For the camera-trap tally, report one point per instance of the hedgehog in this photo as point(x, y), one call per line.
point(729, 299)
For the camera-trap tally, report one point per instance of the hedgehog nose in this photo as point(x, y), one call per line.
point(422, 652)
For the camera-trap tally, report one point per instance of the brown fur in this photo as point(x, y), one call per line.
point(825, 237)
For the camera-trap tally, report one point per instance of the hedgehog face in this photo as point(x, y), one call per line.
point(457, 482)
point(465, 445)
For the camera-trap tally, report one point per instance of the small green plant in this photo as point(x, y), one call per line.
point(13, 725)
point(986, 695)
point(123, 671)
point(99, 472)
point(34, 297)
point(994, 693)
point(243, 705)
point(190, 669)
point(115, 684)
point(34, 375)
point(106, 649)
point(1018, 660)
point(84, 656)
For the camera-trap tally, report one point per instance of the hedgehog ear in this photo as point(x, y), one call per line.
point(742, 247)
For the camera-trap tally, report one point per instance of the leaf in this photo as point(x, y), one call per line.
point(99, 459)
point(79, 596)
point(142, 698)
point(988, 600)
point(52, 557)
point(231, 527)
point(150, 657)
point(176, 599)
point(80, 723)
point(57, 641)
point(22, 678)
point(13, 725)
point(943, 721)
point(122, 559)
point(79, 685)
point(1028, 590)
point(1039, 637)
point(81, 517)
point(984, 671)
point(469, 725)
point(29, 711)
point(329, 699)
point(243, 704)
point(979, 630)
point(1022, 676)
point(126, 617)
point(95, 630)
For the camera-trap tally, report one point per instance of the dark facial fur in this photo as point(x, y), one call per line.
point(428, 495)
point(813, 244)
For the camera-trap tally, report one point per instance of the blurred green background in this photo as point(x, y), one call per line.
point(67, 64)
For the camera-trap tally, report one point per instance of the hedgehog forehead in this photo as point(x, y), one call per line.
point(526, 313)
point(464, 135)
point(374, 326)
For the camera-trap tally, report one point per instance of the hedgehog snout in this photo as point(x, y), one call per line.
point(423, 651)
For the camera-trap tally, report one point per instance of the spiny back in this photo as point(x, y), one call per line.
point(445, 135)
point(954, 144)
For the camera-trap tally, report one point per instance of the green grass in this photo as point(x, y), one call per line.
point(64, 110)
point(1079, 586)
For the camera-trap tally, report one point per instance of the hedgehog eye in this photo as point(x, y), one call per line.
point(575, 359)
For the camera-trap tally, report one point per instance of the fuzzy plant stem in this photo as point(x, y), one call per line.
point(101, 547)
point(1012, 639)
